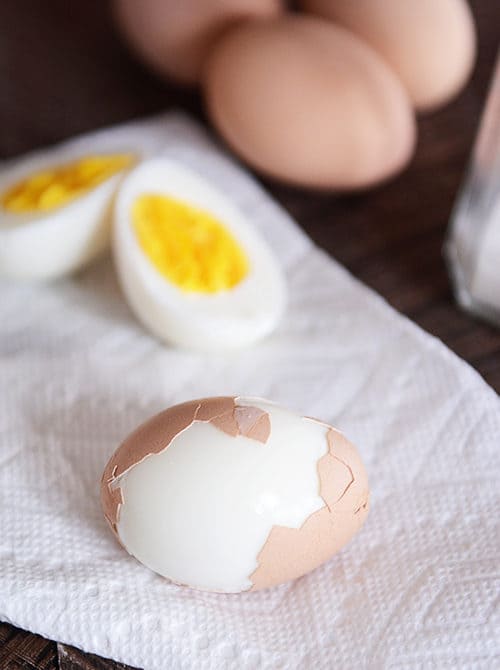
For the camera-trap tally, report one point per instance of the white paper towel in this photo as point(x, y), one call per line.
point(417, 588)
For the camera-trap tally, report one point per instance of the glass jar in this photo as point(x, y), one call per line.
point(472, 247)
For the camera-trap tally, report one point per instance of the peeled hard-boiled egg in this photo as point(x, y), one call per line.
point(309, 103)
point(55, 204)
point(234, 494)
point(194, 271)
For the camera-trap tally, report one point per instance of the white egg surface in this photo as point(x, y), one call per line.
point(194, 270)
point(55, 204)
point(234, 494)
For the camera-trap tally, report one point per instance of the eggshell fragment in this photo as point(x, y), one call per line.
point(175, 37)
point(234, 494)
point(289, 552)
point(429, 44)
point(309, 103)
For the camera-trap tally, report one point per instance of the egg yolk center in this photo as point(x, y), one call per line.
point(48, 189)
point(187, 245)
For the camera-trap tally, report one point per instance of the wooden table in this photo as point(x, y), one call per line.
point(63, 70)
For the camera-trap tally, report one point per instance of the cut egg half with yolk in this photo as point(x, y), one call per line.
point(55, 213)
point(56, 203)
point(194, 270)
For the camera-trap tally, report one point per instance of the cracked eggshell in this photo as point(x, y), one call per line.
point(43, 245)
point(228, 319)
point(234, 494)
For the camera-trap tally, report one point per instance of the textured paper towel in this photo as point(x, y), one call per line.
point(417, 588)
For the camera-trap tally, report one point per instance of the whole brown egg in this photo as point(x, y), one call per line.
point(174, 36)
point(307, 102)
point(430, 44)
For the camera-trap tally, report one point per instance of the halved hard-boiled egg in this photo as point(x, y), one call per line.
point(234, 494)
point(55, 204)
point(54, 213)
point(195, 272)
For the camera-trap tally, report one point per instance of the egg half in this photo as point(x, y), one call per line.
point(234, 494)
point(55, 204)
point(193, 269)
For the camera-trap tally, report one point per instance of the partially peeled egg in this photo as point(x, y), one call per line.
point(193, 269)
point(234, 494)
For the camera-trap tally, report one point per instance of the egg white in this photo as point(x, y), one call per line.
point(48, 244)
point(209, 322)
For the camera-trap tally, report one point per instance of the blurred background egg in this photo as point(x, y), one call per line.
point(309, 103)
point(234, 494)
point(193, 269)
point(430, 44)
point(175, 37)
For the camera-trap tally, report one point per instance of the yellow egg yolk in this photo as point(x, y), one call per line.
point(48, 189)
point(188, 245)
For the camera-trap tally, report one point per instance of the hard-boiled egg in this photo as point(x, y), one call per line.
point(196, 273)
point(55, 204)
point(234, 494)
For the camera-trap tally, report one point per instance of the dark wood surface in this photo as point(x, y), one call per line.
point(63, 70)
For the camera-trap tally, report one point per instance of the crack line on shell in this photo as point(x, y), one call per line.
point(196, 412)
point(353, 479)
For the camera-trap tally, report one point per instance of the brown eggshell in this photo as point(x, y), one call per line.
point(309, 103)
point(430, 44)
point(174, 36)
point(288, 552)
